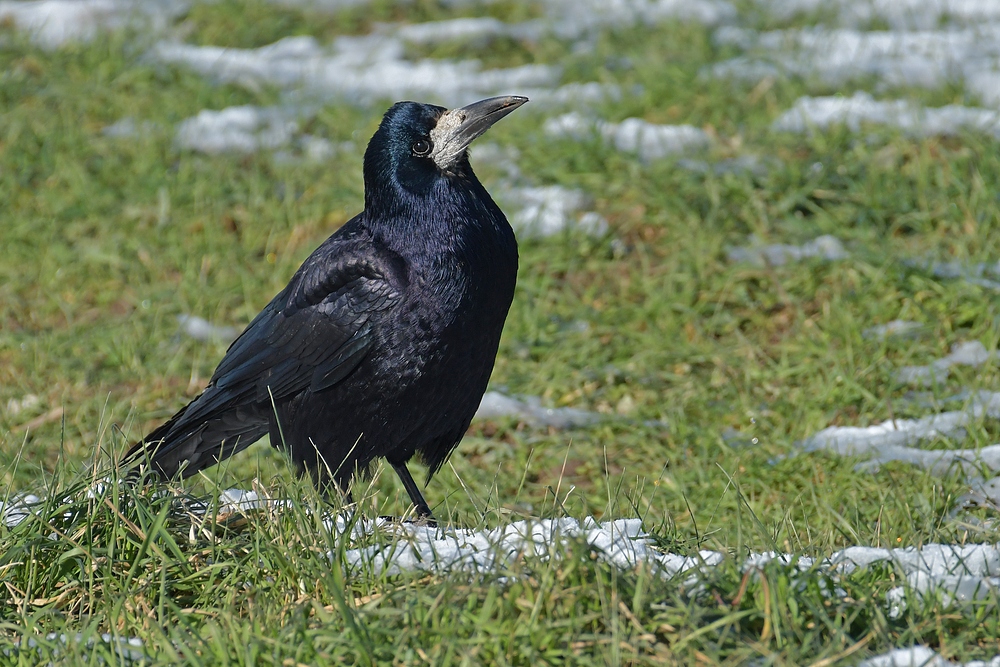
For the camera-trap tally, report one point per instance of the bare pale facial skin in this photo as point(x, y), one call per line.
point(457, 128)
point(447, 148)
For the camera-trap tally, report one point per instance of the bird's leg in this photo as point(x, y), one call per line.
point(423, 511)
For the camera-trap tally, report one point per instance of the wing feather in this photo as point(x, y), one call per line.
point(311, 336)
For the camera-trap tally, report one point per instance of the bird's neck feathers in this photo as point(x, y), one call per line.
point(438, 207)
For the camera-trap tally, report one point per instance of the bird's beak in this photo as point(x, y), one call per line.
point(458, 128)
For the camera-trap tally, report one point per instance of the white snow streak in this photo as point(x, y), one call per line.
point(633, 135)
point(820, 113)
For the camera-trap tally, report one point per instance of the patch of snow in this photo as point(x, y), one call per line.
point(318, 149)
point(860, 440)
point(927, 58)
point(915, 656)
point(239, 500)
point(812, 113)
point(539, 211)
point(970, 273)
point(16, 406)
point(756, 561)
point(572, 19)
point(898, 14)
point(633, 135)
point(572, 94)
point(578, 19)
point(983, 494)
point(479, 28)
point(985, 84)
point(938, 461)
point(201, 329)
point(128, 128)
point(971, 353)
point(423, 548)
point(496, 405)
point(243, 129)
point(891, 440)
point(321, 5)
point(18, 508)
point(360, 69)
point(127, 649)
point(550, 210)
point(825, 247)
point(374, 67)
point(953, 588)
point(503, 158)
point(250, 129)
point(53, 23)
point(893, 329)
point(952, 573)
point(956, 573)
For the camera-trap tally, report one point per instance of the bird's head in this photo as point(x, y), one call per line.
point(416, 144)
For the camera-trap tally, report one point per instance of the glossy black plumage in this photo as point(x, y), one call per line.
point(383, 341)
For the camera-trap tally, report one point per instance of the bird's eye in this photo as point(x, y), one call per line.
point(421, 147)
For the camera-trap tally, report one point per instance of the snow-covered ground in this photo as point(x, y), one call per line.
point(953, 574)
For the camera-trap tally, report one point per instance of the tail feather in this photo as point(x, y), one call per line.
point(185, 446)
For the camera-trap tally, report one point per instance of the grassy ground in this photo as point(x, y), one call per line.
point(106, 241)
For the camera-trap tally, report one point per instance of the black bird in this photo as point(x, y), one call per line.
point(384, 339)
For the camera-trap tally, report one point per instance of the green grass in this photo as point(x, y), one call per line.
point(105, 241)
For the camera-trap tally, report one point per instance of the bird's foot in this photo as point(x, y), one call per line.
point(428, 521)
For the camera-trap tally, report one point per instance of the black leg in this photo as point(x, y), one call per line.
point(423, 511)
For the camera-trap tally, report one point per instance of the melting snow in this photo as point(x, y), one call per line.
point(539, 211)
point(891, 440)
point(950, 573)
point(550, 210)
point(955, 573)
point(574, 94)
point(362, 69)
point(898, 14)
point(128, 128)
point(572, 19)
point(621, 542)
point(495, 404)
point(16, 406)
point(971, 273)
point(127, 650)
point(374, 67)
point(633, 135)
point(984, 494)
point(928, 59)
point(201, 329)
point(921, 656)
point(53, 23)
point(15, 510)
point(893, 329)
point(479, 28)
point(971, 353)
point(825, 247)
point(244, 129)
point(322, 5)
point(939, 461)
point(810, 113)
point(858, 440)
